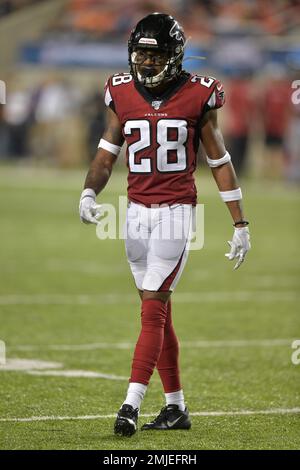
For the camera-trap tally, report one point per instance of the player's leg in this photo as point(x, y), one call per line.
point(150, 342)
point(166, 259)
point(147, 351)
point(168, 363)
point(163, 255)
point(175, 414)
point(138, 382)
point(136, 243)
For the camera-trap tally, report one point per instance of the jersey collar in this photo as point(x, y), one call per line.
point(157, 101)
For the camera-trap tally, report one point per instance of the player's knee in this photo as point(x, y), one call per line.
point(162, 296)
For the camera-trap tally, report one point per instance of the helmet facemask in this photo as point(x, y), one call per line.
point(171, 67)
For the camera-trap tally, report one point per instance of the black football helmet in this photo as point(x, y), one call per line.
point(161, 32)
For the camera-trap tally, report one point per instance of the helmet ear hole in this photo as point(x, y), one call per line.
point(162, 32)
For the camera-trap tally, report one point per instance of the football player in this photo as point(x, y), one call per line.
point(162, 112)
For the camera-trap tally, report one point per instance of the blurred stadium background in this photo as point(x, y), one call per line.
point(59, 285)
point(56, 56)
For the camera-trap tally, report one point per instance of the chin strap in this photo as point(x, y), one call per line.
point(153, 81)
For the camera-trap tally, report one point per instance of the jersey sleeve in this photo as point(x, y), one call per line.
point(108, 98)
point(217, 97)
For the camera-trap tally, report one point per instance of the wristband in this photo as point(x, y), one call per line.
point(244, 222)
point(218, 162)
point(233, 195)
point(112, 148)
point(88, 192)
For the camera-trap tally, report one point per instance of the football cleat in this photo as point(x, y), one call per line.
point(170, 417)
point(126, 422)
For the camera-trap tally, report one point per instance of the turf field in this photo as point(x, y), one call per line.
point(70, 318)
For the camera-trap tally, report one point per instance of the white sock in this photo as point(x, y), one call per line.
point(176, 398)
point(135, 394)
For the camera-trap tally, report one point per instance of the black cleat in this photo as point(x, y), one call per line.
point(126, 422)
point(170, 417)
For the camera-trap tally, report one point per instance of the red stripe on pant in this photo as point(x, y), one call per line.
point(149, 345)
point(168, 281)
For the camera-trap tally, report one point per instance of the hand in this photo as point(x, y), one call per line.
point(89, 210)
point(239, 245)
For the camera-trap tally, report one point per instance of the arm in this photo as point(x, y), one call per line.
point(102, 165)
point(101, 168)
point(227, 183)
point(224, 175)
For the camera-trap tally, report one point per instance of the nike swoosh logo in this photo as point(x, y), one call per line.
point(130, 421)
point(172, 423)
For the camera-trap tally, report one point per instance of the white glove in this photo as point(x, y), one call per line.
point(89, 211)
point(239, 245)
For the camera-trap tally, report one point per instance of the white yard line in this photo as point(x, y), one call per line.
point(71, 347)
point(275, 411)
point(23, 365)
point(236, 343)
point(41, 368)
point(117, 298)
point(63, 299)
point(86, 374)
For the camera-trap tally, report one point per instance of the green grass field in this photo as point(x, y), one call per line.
point(67, 300)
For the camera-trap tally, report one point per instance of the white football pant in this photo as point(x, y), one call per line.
point(157, 242)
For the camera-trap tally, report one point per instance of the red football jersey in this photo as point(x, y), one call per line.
point(162, 134)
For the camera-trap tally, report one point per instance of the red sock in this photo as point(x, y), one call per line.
point(149, 344)
point(168, 363)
